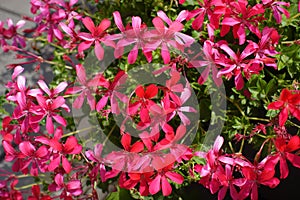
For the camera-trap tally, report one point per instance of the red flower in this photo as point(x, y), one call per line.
point(288, 103)
point(285, 153)
point(261, 173)
point(9, 193)
point(143, 179)
point(144, 96)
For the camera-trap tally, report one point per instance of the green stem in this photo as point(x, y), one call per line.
point(293, 124)
point(295, 16)
point(27, 186)
point(243, 142)
point(231, 148)
point(288, 42)
point(273, 76)
point(237, 106)
point(109, 134)
point(78, 131)
point(258, 119)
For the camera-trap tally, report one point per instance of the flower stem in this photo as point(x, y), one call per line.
point(109, 134)
point(27, 186)
point(258, 119)
point(78, 131)
point(293, 124)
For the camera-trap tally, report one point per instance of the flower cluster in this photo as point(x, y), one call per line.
point(152, 122)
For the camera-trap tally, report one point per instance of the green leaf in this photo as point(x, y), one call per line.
point(271, 87)
point(199, 160)
point(121, 194)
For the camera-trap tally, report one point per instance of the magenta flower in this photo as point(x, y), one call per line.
point(242, 16)
point(60, 150)
point(277, 8)
point(288, 103)
point(96, 36)
point(131, 35)
point(167, 37)
point(11, 33)
point(50, 109)
point(209, 62)
point(237, 64)
point(205, 10)
point(27, 113)
point(177, 105)
point(72, 188)
point(87, 88)
point(160, 181)
point(285, 152)
point(99, 167)
point(35, 157)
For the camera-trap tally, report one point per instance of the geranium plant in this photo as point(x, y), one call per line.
point(149, 97)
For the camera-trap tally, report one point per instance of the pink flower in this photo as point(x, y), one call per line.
point(209, 179)
point(72, 188)
point(242, 16)
point(96, 157)
point(160, 181)
point(87, 88)
point(60, 150)
point(50, 109)
point(110, 91)
point(277, 8)
point(11, 34)
point(167, 37)
point(33, 156)
point(53, 92)
point(26, 111)
point(237, 64)
point(96, 36)
point(209, 62)
point(131, 35)
point(177, 106)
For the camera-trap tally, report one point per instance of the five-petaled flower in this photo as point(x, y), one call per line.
point(288, 104)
